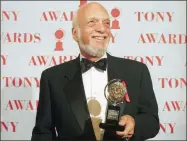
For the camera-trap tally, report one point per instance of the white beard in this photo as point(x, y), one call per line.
point(90, 50)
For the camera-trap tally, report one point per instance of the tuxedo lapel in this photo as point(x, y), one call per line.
point(111, 68)
point(114, 73)
point(75, 94)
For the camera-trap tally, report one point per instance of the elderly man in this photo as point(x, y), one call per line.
point(72, 102)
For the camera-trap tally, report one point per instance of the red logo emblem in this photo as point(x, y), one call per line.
point(82, 2)
point(59, 35)
point(115, 14)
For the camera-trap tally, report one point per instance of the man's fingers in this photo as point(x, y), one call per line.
point(128, 136)
point(128, 128)
point(123, 121)
point(131, 132)
point(120, 133)
point(125, 132)
point(123, 135)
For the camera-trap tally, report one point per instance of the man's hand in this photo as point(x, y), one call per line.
point(129, 123)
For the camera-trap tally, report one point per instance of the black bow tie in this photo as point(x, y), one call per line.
point(87, 64)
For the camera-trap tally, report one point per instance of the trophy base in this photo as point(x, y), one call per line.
point(111, 127)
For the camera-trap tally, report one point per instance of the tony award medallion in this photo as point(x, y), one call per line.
point(114, 93)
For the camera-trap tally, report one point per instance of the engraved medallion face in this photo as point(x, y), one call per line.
point(115, 92)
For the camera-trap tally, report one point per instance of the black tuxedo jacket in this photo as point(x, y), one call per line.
point(62, 102)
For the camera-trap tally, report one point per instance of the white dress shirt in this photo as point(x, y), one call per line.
point(94, 82)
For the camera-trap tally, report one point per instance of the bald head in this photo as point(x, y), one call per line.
point(85, 10)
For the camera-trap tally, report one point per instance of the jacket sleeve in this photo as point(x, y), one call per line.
point(43, 129)
point(147, 120)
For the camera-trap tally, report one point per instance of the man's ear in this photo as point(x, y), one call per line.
point(75, 34)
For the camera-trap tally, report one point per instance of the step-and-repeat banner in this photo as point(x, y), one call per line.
point(37, 35)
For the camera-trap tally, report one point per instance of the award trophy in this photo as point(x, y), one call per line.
point(114, 93)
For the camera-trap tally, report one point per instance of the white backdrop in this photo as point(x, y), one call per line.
point(151, 32)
